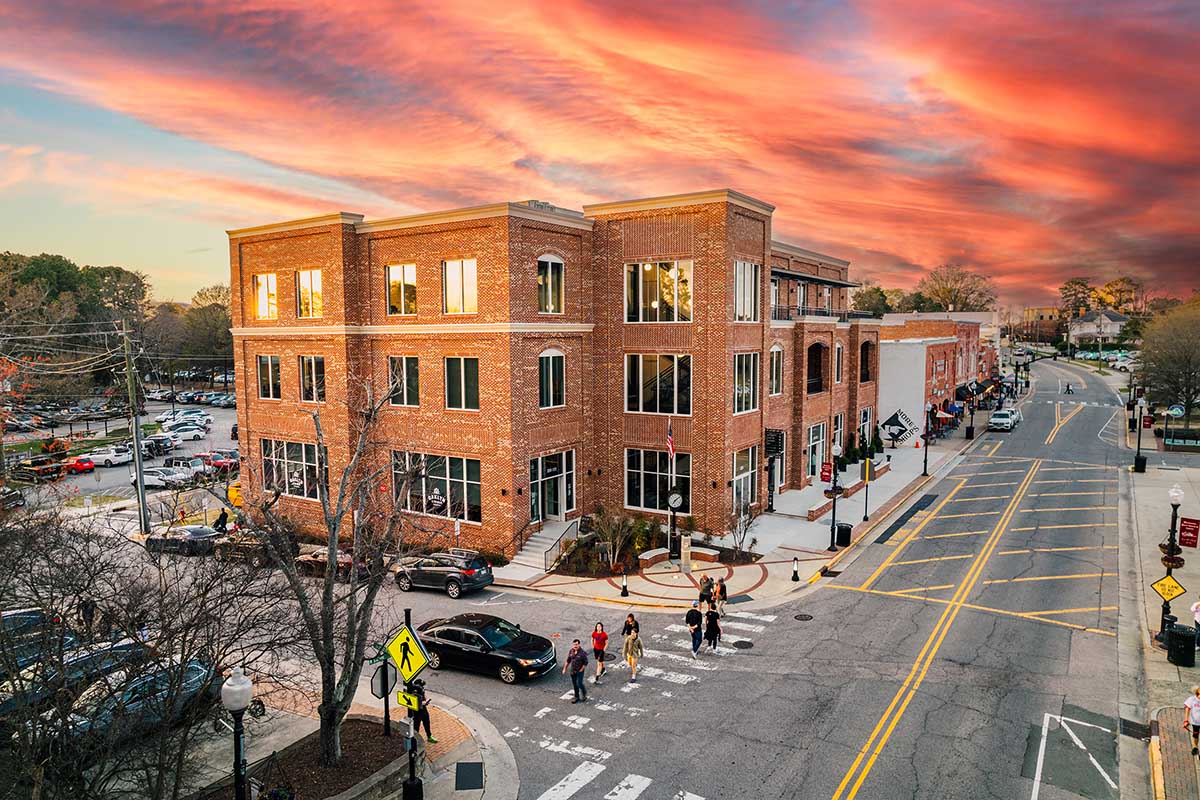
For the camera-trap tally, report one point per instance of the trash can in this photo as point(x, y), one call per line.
point(1181, 645)
point(843, 534)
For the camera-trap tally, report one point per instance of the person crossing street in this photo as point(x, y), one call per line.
point(576, 661)
point(722, 596)
point(693, 620)
point(632, 651)
point(599, 642)
point(712, 627)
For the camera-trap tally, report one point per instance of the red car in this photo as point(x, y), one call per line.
point(78, 464)
point(218, 462)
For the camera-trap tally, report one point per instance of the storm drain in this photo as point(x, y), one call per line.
point(804, 617)
point(923, 503)
point(743, 644)
point(1138, 730)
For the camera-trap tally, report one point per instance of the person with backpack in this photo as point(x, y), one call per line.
point(599, 642)
point(694, 620)
point(632, 651)
point(706, 591)
point(722, 596)
point(712, 627)
point(576, 661)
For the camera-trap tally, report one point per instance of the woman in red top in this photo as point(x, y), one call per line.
point(599, 642)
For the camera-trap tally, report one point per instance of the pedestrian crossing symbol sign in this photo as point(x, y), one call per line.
point(408, 654)
point(1168, 588)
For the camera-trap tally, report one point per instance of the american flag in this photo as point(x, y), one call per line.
point(670, 441)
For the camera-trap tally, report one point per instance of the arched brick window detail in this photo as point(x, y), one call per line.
point(816, 358)
point(866, 362)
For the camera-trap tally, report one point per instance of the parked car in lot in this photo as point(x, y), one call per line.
point(161, 478)
point(166, 443)
point(41, 681)
point(39, 469)
point(1018, 417)
point(77, 465)
point(455, 573)
point(190, 433)
point(251, 547)
point(1002, 420)
point(218, 462)
point(486, 644)
point(111, 456)
point(10, 498)
point(313, 565)
point(186, 540)
point(29, 634)
point(191, 466)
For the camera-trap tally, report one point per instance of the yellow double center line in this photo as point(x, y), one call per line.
point(1060, 420)
point(888, 719)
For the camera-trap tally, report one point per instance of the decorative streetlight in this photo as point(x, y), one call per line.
point(836, 452)
point(1139, 460)
point(236, 693)
point(1171, 559)
point(971, 426)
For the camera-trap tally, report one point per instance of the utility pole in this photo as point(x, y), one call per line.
point(136, 426)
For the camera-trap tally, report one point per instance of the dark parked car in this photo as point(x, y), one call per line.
point(39, 468)
point(41, 681)
point(487, 644)
point(187, 540)
point(10, 498)
point(28, 634)
point(251, 547)
point(313, 565)
point(454, 573)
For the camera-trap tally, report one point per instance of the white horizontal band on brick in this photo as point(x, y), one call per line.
point(400, 330)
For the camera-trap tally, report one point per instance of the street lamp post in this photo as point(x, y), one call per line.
point(236, 694)
point(1139, 460)
point(836, 452)
point(971, 425)
point(925, 436)
point(1176, 496)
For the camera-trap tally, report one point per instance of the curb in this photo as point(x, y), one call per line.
point(501, 780)
point(1157, 779)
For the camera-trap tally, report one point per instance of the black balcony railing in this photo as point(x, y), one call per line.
point(796, 312)
point(815, 386)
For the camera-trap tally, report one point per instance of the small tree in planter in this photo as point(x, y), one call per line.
point(851, 450)
point(614, 531)
point(877, 442)
point(741, 522)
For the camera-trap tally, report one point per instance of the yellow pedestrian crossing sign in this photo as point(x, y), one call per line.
point(1168, 588)
point(410, 701)
point(408, 654)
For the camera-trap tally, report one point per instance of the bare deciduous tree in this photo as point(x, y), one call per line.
point(952, 287)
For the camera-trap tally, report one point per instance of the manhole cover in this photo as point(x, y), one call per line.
point(804, 617)
point(742, 644)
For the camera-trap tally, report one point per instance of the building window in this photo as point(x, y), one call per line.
point(837, 364)
point(864, 426)
point(745, 291)
point(745, 479)
point(658, 384)
point(312, 379)
point(658, 292)
point(550, 285)
point(839, 424)
point(828, 299)
point(462, 383)
point(308, 294)
point(460, 294)
point(864, 362)
point(290, 468)
point(269, 387)
point(776, 378)
point(816, 368)
point(266, 298)
point(402, 289)
point(404, 378)
point(745, 382)
point(551, 486)
point(551, 379)
point(444, 486)
point(648, 480)
point(816, 449)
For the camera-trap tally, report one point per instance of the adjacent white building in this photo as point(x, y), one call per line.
point(1104, 326)
point(908, 380)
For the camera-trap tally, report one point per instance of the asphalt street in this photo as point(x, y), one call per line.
point(964, 654)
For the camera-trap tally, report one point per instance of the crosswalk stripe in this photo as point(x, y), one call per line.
point(575, 780)
point(667, 675)
point(630, 788)
point(748, 615)
point(688, 660)
point(682, 795)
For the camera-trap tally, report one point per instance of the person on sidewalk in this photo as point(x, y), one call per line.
point(221, 523)
point(712, 627)
point(722, 596)
point(632, 651)
point(1191, 718)
point(599, 642)
point(694, 620)
point(576, 661)
point(631, 624)
point(706, 591)
point(1196, 620)
point(421, 715)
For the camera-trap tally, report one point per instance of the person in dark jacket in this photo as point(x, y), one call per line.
point(706, 591)
point(722, 596)
point(631, 624)
point(694, 620)
point(222, 522)
point(712, 627)
point(576, 661)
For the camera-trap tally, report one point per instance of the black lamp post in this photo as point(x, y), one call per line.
point(836, 452)
point(1173, 550)
point(925, 436)
point(236, 694)
point(971, 425)
point(1139, 460)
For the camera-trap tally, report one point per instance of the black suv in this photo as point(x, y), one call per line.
point(455, 572)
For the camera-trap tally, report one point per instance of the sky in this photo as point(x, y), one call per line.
point(1031, 141)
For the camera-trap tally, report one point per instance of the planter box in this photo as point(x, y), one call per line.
point(705, 554)
point(652, 557)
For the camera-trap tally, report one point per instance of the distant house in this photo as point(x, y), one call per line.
point(1102, 326)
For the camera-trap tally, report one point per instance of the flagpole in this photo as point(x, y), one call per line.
point(671, 488)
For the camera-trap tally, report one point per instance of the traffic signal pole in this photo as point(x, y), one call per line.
point(136, 425)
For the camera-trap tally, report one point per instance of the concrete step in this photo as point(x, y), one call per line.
point(533, 562)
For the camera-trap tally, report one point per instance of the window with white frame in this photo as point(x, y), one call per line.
point(776, 378)
point(648, 479)
point(659, 291)
point(815, 453)
point(828, 298)
point(401, 289)
point(404, 381)
point(837, 364)
point(290, 468)
point(312, 379)
point(658, 384)
point(266, 299)
point(745, 382)
point(839, 425)
point(551, 379)
point(460, 291)
point(551, 486)
point(269, 384)
point(864, 426)
point(462, 383)
point(550, 285)
point(745, 291)
point(745, 478)
point(308, 294)
point(444, 486)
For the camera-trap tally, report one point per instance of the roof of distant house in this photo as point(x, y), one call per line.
point(1108, 314)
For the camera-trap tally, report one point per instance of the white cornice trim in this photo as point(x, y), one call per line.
point(489, 211)
point(926, 340)
point(677, 200)
point(466, 328)
point(809, 256)
point(783, 323)
point(337, 218)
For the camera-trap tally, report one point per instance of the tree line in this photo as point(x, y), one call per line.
point(949, 287)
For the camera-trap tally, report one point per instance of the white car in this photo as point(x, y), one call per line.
point(190, 466)
point(1002, 420)
point(193, 433)
point(160, 478)
point(1017, 415)
point(110, 456)
point(1124, 365)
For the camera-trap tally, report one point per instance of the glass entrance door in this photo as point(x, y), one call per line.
point(779, 465)
point(552, 486)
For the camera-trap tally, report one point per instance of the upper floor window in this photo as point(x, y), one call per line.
point(745, 479)
point(551, 379)
point(308, 293)
point(776, 378)
point(864, 362)
point(745, 291)
point(312, 379)
point(816, 367)
point(266, 300)
point(745, 382)
point(460, 292)
point(828, 299)
point(292, 468)
point(658, 292)
point(402, 288)
point(658, 384)
point(268, 378)
point(550, 285)
point(837, 364)
point(462, 383)
point(404, 377)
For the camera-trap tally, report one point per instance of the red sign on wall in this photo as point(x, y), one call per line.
point(1148, 421)
point(826, 471)
point(1189, 531)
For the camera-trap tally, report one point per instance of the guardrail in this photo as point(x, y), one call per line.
point(555, 552)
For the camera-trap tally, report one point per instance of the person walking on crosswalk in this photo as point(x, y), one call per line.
point(712, 627)
point(599, 642)
point(631, 624)
point(576, 661)
point(1191, 718)
point(721, 596)
point(632, 651)
point(694, 620)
